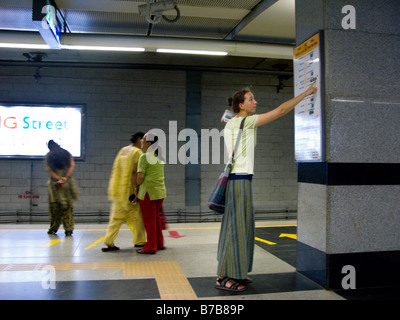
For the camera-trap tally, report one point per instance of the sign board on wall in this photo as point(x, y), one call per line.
point(309, 117)
point(26, 129)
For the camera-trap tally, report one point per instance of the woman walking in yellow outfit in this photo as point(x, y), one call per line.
point(123, 184)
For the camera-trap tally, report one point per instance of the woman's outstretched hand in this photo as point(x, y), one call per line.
point(311, 89)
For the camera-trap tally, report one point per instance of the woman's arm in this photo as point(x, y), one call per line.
point(142, 166)
point(51, 173)
point(139, 178)
point(70, 169)
point(285, 107)
point(134, 178)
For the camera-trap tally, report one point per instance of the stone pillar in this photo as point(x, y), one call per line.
point(193, 121)
point(349, 205)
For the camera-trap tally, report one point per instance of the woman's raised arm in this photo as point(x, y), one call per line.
point(285, 107)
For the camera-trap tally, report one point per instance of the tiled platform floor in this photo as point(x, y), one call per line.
point(38, 266)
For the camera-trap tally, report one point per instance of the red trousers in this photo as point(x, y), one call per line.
point(153, 223)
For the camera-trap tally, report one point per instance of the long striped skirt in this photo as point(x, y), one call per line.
point(236, 239)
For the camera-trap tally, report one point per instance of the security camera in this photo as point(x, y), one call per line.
point(157, 8)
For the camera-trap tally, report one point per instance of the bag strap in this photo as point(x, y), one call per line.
point(237, 141)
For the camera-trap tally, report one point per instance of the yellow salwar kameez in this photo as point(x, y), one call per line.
point(119, 190)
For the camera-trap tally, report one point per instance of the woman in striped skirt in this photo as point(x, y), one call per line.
point(236, 239)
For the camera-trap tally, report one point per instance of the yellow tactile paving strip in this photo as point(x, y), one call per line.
point(171, 281)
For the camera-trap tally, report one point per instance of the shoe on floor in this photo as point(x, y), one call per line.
point(114, 248)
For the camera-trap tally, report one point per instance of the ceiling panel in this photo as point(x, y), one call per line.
point(105, 22)
point(195, 27)
point(260, 21)
point(275, 24)
point(241, 4)
point(15, 18)
point(212, 18)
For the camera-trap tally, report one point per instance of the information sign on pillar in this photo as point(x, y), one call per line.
point(309, 114)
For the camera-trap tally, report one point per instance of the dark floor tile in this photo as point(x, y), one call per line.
point(82, 290)
point(285, 248)
point(262, 283)
point(107, 290)
point(23, 291)
point(389, 293)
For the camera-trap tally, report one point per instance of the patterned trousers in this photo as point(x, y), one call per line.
point(60, 214)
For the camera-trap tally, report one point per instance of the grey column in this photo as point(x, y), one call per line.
point(349, 205)
point(193, 121)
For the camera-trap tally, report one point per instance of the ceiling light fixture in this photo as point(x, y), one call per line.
point(204, 52)
point(24, 46)
point(102, 48)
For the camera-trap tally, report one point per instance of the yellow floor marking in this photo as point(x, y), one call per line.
point(265, 241)
point(52, 243)
point(288, 235)
point(171, 281)
point(95, 243)
point(138, 269)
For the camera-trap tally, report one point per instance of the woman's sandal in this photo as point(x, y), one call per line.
point(233, 288)
point(243, 281)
